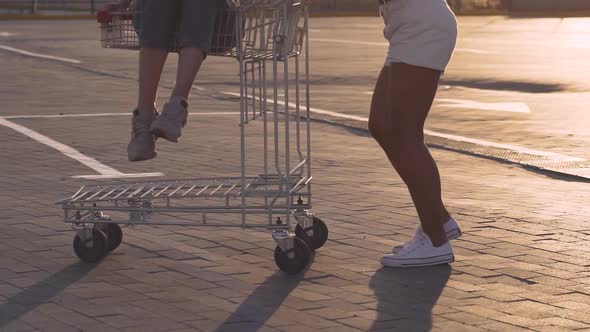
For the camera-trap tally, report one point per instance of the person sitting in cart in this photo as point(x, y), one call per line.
point(185, 26)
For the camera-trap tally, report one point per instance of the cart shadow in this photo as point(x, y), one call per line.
point(407, 296)
point(41, 292)
point(259, 306)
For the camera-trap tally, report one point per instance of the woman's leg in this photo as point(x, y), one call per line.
point(175, 112)
point(189, 63)
point(403, 97)
point(151, 64)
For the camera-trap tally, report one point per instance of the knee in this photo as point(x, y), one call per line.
point(376, 129)
point(397, 142)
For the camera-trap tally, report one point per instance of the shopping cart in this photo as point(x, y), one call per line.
point(268, 38)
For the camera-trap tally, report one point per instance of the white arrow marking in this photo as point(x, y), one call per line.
point(105, 171)
point(516, 107)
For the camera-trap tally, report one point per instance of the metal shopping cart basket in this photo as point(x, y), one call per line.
point(268, 38)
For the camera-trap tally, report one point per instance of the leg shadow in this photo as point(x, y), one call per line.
point(407, 297)
point(41, 292)
point(259, 306)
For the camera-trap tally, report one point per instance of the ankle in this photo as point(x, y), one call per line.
point(145, 111)
point(437, 238)
point(180, 100)
point(446, 216)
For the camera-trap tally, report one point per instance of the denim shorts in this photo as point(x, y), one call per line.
point(420, 32)
point(176, 24)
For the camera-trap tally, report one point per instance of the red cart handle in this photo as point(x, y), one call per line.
point(103, 16)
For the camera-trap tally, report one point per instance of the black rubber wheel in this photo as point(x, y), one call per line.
point(302, 234)
point(301, 254)
point(95, 253)
point(114, 235)
point(319, 237)
point(320, 233)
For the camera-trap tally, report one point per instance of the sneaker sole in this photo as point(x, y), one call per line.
point(136, 158)
point(161, 133)
point(418, 262)
point(454, 234)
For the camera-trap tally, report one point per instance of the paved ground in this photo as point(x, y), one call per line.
point(522, 264)
point(539, 63)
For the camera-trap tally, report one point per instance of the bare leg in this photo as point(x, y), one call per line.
point(189, 63)
point(151, 64)
point(401, 102)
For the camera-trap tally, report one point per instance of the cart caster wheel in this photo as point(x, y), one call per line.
point(94, 253)
point(302, 234)
point(320, 233)
point(115, 236)
point(294, 260)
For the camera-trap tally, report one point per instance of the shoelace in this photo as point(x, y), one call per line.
point(176, 113)
point(139, 127)
point(412, 244)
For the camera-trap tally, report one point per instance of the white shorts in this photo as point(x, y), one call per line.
point(420, 32)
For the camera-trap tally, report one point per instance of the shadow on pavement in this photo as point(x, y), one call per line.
point(407, 296)
point(259, 306)
point(516, 86)
point(41, 292)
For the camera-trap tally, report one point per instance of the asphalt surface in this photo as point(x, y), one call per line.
point(516, 81)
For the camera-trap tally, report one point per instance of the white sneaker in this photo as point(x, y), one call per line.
point(420, 252)
point(451, 228)
point(142, 145)
point(171, 121)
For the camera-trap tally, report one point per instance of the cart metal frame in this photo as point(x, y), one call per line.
point(264, 36)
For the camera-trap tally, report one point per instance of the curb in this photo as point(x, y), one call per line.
point(432, 142)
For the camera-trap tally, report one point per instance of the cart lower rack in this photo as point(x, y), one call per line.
point(268, 38)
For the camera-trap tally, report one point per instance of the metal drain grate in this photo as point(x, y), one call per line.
point(545, 161)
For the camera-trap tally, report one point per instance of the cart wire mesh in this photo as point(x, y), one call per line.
point(259, 25)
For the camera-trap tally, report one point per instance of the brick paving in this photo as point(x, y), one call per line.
point(522, 264)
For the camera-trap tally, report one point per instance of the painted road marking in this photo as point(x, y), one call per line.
point(313, 110)
point(49, 116)
point(105, 171)
point(357, 42)
point(7, 34)
point(554, 156)
point(38, 55)
point(440, 88)
point(514, 107)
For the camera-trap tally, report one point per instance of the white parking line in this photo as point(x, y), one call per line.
point(49, 116)
point(38, 55)
point(313, 110)
point(513, 107)
point(385, 44)
point(440, 88)
point(105, 171)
